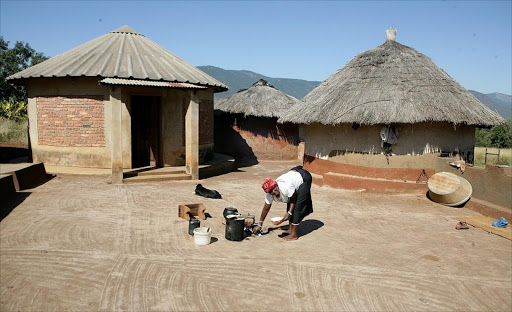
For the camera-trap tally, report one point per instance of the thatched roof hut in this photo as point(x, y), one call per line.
point(246, 125)
point(391, 83)
point(260, 100)
point(385, 119)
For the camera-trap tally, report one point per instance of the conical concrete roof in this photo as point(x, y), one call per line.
point(260, 100)
point(122, 53)
point(391, 83)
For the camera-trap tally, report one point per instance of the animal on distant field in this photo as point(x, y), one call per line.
point(203, 191)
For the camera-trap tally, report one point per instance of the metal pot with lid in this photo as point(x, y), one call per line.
point(229, 211)
point(249, 219)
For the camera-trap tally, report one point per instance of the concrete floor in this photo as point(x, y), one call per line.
point(79, 243)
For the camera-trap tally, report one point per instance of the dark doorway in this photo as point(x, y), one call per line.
point(145, 130)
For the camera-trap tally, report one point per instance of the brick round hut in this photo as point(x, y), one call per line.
point(119, 101)
point(246, 125)
point(385, 117)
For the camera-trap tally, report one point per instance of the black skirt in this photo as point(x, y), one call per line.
point(304, 204)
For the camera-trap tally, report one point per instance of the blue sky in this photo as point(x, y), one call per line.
point(470, 40)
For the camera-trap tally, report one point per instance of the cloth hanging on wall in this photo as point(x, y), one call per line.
point(388, 136)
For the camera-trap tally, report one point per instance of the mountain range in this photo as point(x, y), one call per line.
point(238, 80)
point(499, 102)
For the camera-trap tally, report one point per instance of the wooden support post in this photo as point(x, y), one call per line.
point(192, 136)
point(116, 135)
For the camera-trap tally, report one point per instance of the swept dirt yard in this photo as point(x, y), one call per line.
point(78, 243)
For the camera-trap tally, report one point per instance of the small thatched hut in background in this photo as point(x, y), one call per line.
point(391, 87)
point(246, 125)
point(119, 101)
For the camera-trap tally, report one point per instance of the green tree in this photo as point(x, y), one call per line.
point(501, 136)
point(13, 60)
point(13, 110)
point(483, 137)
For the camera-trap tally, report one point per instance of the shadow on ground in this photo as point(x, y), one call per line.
point(8, 206)
point(309, 226)
point(13, 154)
point(305, 227)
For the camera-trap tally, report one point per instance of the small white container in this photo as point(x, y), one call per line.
point(276, 219)
point(202, 235)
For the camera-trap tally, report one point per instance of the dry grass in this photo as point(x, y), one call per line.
point(13, 133)
point(261, 100)
point(391, 84)
point(505, 156)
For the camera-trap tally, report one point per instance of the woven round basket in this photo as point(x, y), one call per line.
point(449, 189)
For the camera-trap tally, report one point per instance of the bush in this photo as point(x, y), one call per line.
point(482, 137)
point(13, 110)
point(499, 136)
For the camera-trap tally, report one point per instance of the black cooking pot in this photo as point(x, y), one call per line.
point(235, 229)
point(229, 211)
point(193, 224)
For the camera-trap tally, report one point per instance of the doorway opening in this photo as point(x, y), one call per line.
point(145, 118)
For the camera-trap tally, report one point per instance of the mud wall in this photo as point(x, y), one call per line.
point(417, 147)
point(250, 139)
point(491, 184)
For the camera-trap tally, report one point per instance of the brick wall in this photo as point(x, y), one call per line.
point(205, 122)
point(73, 121)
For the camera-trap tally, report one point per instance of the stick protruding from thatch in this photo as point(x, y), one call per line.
point(391, 34)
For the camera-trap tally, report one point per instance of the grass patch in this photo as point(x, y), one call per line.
point(505, 156)
point(13, 132)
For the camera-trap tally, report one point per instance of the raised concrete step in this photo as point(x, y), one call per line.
point(161, 171)
point(158, 177)
point(353, 182)
point(26, 175)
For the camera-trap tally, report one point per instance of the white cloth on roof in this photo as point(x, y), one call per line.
point(288, 184)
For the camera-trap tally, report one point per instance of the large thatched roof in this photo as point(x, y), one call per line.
point(260, 100)
point(392, 83)
point(122, 53)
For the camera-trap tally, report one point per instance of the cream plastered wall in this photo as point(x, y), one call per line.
point(418, 144)
point(172, 128)
point(174, 103)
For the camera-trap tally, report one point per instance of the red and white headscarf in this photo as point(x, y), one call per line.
point(268, 185)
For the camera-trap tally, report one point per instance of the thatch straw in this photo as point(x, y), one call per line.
point(260, 100)
point(392, 83)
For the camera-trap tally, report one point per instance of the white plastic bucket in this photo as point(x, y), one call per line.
point(202, 235)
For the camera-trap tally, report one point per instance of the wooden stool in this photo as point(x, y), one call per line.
point(191, 210)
